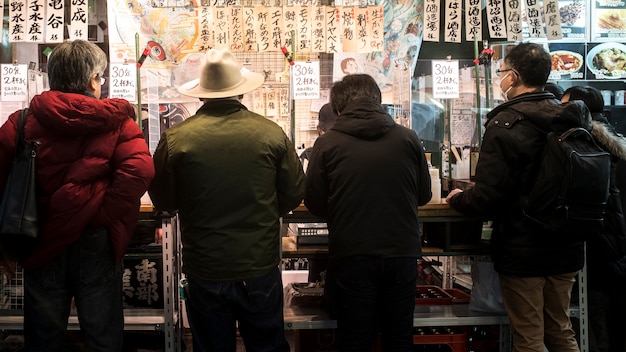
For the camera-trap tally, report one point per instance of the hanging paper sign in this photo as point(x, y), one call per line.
point(332, 29)
point(14, 82)
point(221, 26)
point(453, 11)
point(513, 20)
point(318, 21)
point(445, 79)
point(249, 21)
point(360, 29)
point(55, 18)
point(348, 23)
point(78, 20)
point(123, 82)
point(17, 21)
point(306, 80)
point(36, 21)
point(473, 20)
point(495, 19)
point(552, 19)
point(376, 27)
point(289, 19)
point(431, 20)
point(535, 24)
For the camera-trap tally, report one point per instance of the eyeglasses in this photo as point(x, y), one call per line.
point(499, 71)
point(102, 79)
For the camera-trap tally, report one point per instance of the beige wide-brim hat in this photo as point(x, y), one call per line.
point(221, 76)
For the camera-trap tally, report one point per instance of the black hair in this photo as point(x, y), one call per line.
point(532, 62)
point(555, 89)
point(353, 87)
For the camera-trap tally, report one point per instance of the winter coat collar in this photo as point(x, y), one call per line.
point(364, 119)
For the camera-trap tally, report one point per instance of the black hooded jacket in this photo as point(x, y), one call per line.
point(509, 161)
point(367, 176)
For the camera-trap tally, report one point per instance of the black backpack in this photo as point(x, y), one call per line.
point(571, 190)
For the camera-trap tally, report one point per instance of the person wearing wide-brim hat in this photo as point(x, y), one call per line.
point(230, 173)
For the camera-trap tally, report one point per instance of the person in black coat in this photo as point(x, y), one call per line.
point(367, 176)
point(536, 271)
point(606, 254)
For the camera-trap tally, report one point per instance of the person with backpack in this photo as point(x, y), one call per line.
point(537, 267)
point(606, 253)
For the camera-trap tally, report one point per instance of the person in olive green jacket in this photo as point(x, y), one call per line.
point(231, 174)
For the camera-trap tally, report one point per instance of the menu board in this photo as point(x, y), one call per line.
point(606, 60)
point(573, 19)
point(610, 20)
point(568, 60)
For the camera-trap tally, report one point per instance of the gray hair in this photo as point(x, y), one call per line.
point(72, 64)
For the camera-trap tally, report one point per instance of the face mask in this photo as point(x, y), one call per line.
point(506, 92)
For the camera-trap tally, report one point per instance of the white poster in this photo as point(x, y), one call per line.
point(305, 80)
point(123, 82)
point(445, 79)
point(14, 82)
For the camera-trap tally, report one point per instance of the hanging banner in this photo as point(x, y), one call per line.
point(348, 37)
point(36, 21)
point(552, 18)
point(514, 20)
point(17, 21)
point(78, 28)
point(453, 14)
point(318, 21)
point(533, 16)
point(473, 20)
point(431, 20)
point(496, 19)
point(55, 18)
point(333, 33)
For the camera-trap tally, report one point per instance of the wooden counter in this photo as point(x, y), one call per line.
point(449, 232)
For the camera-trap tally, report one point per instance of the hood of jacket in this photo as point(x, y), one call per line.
point(364, 119)
point(71, 115)
point(605, 134)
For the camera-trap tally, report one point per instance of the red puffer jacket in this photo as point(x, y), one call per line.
point(93, 165)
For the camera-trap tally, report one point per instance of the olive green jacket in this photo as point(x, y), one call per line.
point(231, 174)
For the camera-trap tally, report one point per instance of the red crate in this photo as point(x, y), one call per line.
point(458, 296)
point(431, 295)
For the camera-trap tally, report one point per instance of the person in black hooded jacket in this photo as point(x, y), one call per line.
point(367, 176)
point(606, 254)
point(537, 271)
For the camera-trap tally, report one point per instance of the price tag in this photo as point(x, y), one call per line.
point(123, 82)
point(14, 82)
point(445, 79)
point(305, 80)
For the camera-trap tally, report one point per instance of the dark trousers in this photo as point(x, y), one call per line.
point(369, 296)
point(87, 272)
point(215, 308)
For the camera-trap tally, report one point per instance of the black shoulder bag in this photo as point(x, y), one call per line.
point(19, 228)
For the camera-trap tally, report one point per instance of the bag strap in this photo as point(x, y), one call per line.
point(19, 139)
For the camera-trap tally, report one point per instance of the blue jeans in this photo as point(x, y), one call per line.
point(369, 296)
point(215, 308)
point(87, 272)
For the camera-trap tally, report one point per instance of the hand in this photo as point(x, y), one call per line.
point(452, 194)
point(158, 235)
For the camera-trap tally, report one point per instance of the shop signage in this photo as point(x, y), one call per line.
point(305, 78)
point(14, 82)
point(123, 82)
point(445, 79)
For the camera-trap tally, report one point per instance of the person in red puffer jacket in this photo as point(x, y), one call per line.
point(93, 166)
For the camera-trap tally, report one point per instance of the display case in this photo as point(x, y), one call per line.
point(164, 317)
